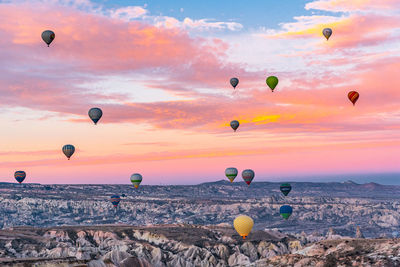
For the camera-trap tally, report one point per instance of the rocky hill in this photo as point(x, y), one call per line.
point(186, 245)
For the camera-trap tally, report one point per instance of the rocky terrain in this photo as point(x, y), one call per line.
point(316, 206)
point(187, 245)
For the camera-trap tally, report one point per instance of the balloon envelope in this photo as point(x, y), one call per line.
point(285, 188)
point(327, 32)
point(231, 173)
point(248, 176)
point(115, 199)
point(234, 82)
point(95, 114)
point(272, 82)
point(286, 211)
point(243, 225)
point(19, 176)
point(48, 37)
point(234, 124)
point(68, 150)
point(136, 179)
point(353, 96)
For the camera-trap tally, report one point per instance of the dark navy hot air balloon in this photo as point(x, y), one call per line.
point(20, 176)
point(234, 125)
point(115, 199)
point(286, 211)
point(95, 114)
point(48, 37)
point(285, 188)
point(234, 82)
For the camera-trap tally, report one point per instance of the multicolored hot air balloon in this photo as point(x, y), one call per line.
point(272, 82)
point(285, 188)
point(115, 199)
point(231, 173)
point(327, 32)
point(243, 225)
point(248, 176)
point(353, 96)
point(68, 150)
point(234, 124)
point(286, 211)
point(19, 176)
point(48, 37)
point(234, 82)
point(136, 179)
point(95, 114)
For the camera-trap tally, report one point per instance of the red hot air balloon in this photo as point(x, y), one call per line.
point(353, 97)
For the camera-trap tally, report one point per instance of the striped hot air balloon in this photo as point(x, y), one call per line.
point(285, 188)
point(353, 96)
point(115, 199)
point(19, 176)
point(136, 179)
point(248, 176)
point(231, 173)
point(68, 150)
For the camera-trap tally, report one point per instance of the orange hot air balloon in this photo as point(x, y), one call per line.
point(353, 97)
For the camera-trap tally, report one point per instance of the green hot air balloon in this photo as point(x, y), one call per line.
point(285, 188)
point(136, 179)
point(272, 82)
point(231, 173)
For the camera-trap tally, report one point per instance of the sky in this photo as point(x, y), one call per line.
point(160, 72)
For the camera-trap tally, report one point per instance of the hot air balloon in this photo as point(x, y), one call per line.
point(95, 114)
point(243, 225)
point(115, 199)
point(327, 32)
point(234, 82)
point(48, 37)
point(136, 179)
point(353, 96)
point(231, 173)
point(68, 150)
point(248, 176)
point(19, 176)
point(234, 125)
point(286, 211)
point(285, 188)
point(272, 82)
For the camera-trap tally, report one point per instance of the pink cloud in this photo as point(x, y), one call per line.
point(354, 5)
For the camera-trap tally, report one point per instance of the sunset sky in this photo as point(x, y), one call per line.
point(160, 72)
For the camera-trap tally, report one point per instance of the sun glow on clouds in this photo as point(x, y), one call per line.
point(165, 91)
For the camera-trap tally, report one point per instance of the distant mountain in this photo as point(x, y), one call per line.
point(316, 206)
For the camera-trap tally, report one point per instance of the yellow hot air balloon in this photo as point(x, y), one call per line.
point(243, 225)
